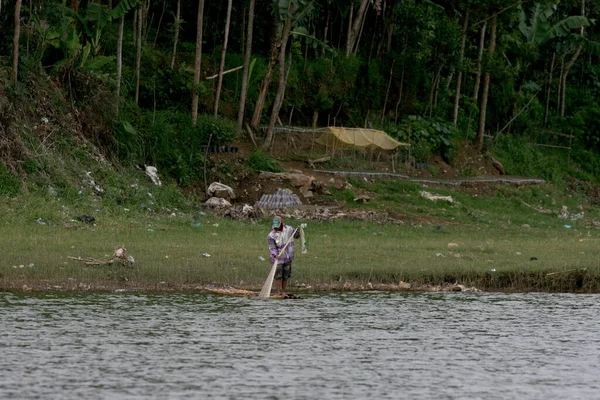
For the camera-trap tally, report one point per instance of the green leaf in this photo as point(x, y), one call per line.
point(122, 8)
point(564, 27)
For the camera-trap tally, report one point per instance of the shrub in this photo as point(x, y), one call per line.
point(169, 141)
point(9, 184)
point(260, 161)
point(420, 131)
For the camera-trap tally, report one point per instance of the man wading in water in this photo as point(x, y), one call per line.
point(277, 239)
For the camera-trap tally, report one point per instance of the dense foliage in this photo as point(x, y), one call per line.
point(418, 69)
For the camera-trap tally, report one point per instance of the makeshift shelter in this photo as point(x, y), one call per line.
point(344, 138)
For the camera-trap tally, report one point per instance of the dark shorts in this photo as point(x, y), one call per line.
point(283, 271)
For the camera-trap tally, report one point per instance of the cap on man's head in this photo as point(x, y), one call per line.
point(277, 222)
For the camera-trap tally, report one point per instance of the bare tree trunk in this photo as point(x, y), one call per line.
point(222, 64)
point(399, 96)
point(387, 92)
point(159, 22)
point(459, 76)
point(119, 60)
point(110, 7)
point(546, 111)
point(134, 28)
point(349, 35)
point(282, 82)
point(74, 5)
point(569, 66)
point(356, 27)
point(198, 60)
point(326, 30)
point(16, 40)
point(558, 94)
point(479, 58)
point(360, 31)
point(29, 26)
point(138, 58)
point(245, 74)
point(177, 28)
point(264, 86)
point(486, 84)
point(434, 83)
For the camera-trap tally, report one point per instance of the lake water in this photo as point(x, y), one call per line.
point(327, 346)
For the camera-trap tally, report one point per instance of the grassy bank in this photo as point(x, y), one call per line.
point(169, 250)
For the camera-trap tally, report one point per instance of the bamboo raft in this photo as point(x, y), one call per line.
point(246, 293)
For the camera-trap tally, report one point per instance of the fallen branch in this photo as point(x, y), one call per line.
point(224, 72)
point(91, 261)
point(120, 256)
point(538, 209)
point(562, 272)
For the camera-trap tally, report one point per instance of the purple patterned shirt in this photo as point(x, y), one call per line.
point(278, 239)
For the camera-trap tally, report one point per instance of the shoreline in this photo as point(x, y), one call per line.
point(163, 288)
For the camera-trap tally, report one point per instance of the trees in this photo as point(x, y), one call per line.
point(177, 27)
point(198, 61)
point(15, 74)
point(222, 64)
point(486, 84)
point(138, 57)
point(246, 72)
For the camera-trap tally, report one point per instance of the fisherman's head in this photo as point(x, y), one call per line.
point(278, 223)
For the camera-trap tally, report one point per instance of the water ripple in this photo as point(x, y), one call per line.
point(337, 346)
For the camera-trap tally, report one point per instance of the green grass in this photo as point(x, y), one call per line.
point(169, 254)
point(157, 225)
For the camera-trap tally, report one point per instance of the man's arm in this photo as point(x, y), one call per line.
point(273, 250)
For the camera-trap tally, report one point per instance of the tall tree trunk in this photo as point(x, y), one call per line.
point(486, 84)
point(356, 27)
point(138, 58)
point(459, 76)
point(479, 58)
point(387, 92)
point(349, 35)
point(222, 64)
point(282, 81)
point(245, 74)
point(400, 92)
point(110, 7)
point(198, 61)
point(120, 60)
point(264, 86)
point(74, 5)
point(360, 31)
point(326, 29)
point(15, 74)
point(159, 23)
point(434, 84)
point(177, 28)
point(558, 94)
point(547, 109)
point(134, 28)
point(569, 66)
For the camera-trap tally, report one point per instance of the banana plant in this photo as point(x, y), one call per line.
point(538, 29)
point(96, 19)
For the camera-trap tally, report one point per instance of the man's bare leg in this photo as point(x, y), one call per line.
point(279, 285)
point(283, 286)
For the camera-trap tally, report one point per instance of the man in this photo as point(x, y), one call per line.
point(277, 239)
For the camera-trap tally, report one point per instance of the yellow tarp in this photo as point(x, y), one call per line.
point(357, 137)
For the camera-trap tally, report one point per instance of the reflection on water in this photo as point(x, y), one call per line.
point(337, 346)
